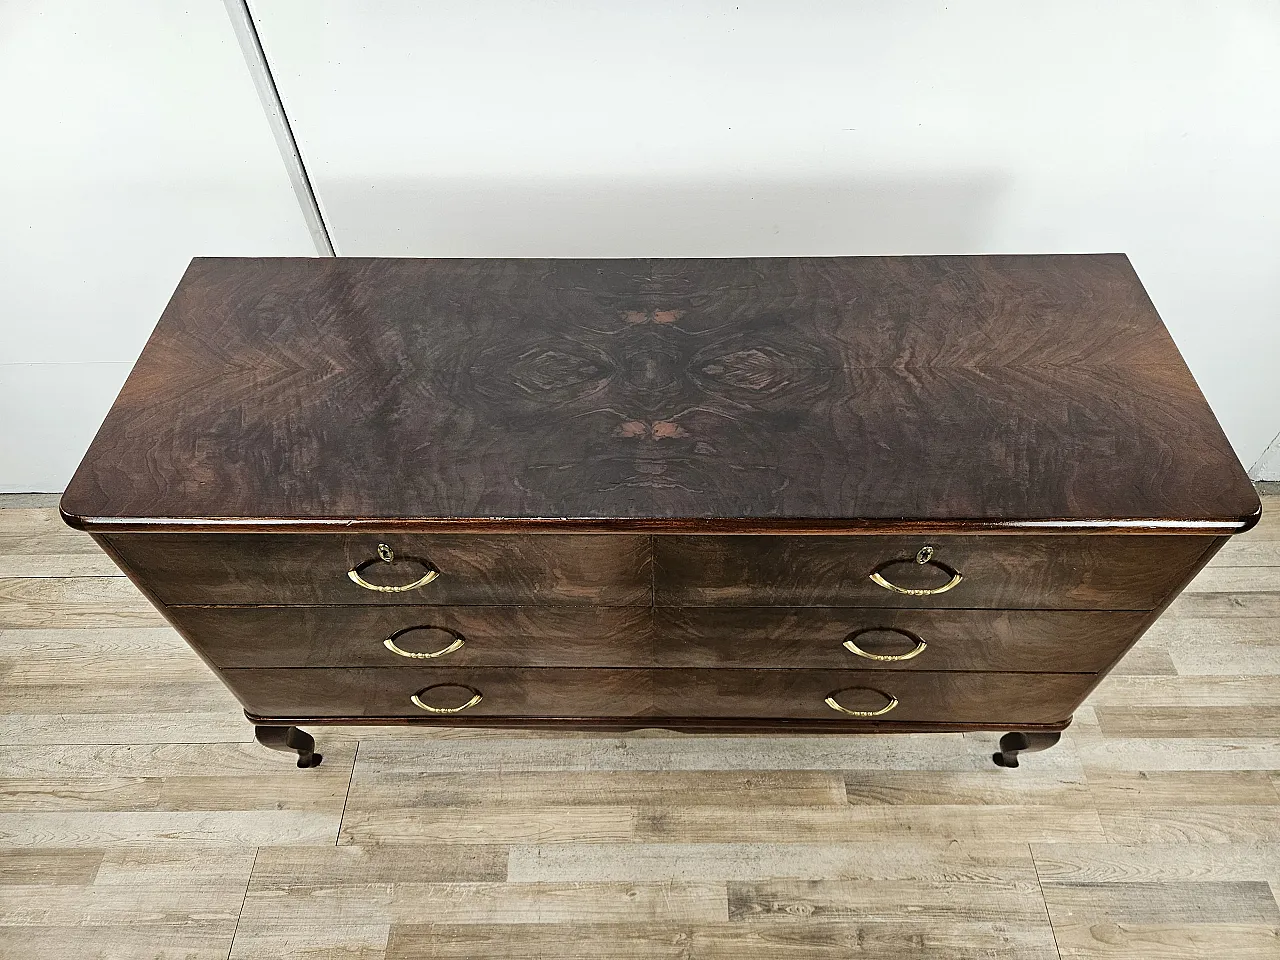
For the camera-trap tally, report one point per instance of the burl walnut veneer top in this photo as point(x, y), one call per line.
point(791, 394)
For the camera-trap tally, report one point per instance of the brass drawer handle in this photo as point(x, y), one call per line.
point(476, 697)
point(390, 643)
point(924, 556)
point(851, 645)
point(831, 702)
point(387, 555)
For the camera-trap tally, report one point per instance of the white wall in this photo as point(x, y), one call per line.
point(702, 129)
point(132, 141)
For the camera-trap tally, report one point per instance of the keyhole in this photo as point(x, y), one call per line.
point(925, 555)
point(385, 553)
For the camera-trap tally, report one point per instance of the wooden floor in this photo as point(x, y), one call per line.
point(137, 818)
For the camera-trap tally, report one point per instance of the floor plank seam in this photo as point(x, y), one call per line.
point(245, 899)
point(351, 777)
point(1043, 901)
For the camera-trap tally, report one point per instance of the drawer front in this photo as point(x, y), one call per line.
point(588, 569)
point(495, 636)
point(838, 638)
point(894, 639)
point(997, 699)
point(1085, 572)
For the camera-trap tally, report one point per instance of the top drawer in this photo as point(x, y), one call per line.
point(600, 569)
point(1080, 572)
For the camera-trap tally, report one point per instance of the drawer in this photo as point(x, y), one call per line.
point(719, 637)
point(1079, 572)
point(854, 637)
point(995, 699)
point(588, 569)
point(493, 636)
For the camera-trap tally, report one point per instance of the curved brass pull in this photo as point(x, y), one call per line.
point(924, 556)
point(390, 643)
point(831, 702)
point(386, 555)
point(476, 697)
point(851, 645)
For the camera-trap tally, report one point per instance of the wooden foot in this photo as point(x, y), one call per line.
point(290, 738)
point(1012, 744)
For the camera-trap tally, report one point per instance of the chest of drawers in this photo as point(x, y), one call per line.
point(819, 494)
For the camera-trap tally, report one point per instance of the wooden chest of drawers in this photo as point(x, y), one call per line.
point(822, 494)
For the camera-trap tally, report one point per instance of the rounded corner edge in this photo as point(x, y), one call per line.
point(72, 519)
point(1249, 521)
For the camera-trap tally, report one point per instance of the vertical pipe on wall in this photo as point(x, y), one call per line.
point(278, 120)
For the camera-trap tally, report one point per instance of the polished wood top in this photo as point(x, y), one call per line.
point(859, 393)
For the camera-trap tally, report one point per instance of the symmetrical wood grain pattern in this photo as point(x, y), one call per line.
point(770, 393)
point(1090, 572)
point(769, 637)
point(131, 831)
point(649, 695)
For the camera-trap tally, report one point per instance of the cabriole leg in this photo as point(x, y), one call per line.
point(290, 738)
point(1012, 744)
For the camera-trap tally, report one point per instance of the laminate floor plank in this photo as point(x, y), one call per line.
point(1091, 863)
point(1246, 551)
point(1196, 692)
point(885, 901)
point(1250, 606)
point(1146, 659)
point(1136, 790)
point(311, 938)
point(1177, 753)
point(538, 788)
point(168, 903)
point(487, 903)
point(934, 861)
point(889, 822)
point(53, 553)
point(74, 602)
point(569, 824)
point(55, 539)
point(1192, 721)
point(166, 760)
point(138, 819)
point(1234, 580)
point(91, 699)
point(1225, 646)
point(34, 522)
point(280, 867)
point(99, 828)
point(1167, 919)
point(911, 940)
point(53, 866)
point(125, 655)
point(47, 565)
point(1030, 787)
point(207, 940)
point(1193, 824)
point(142, 728)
